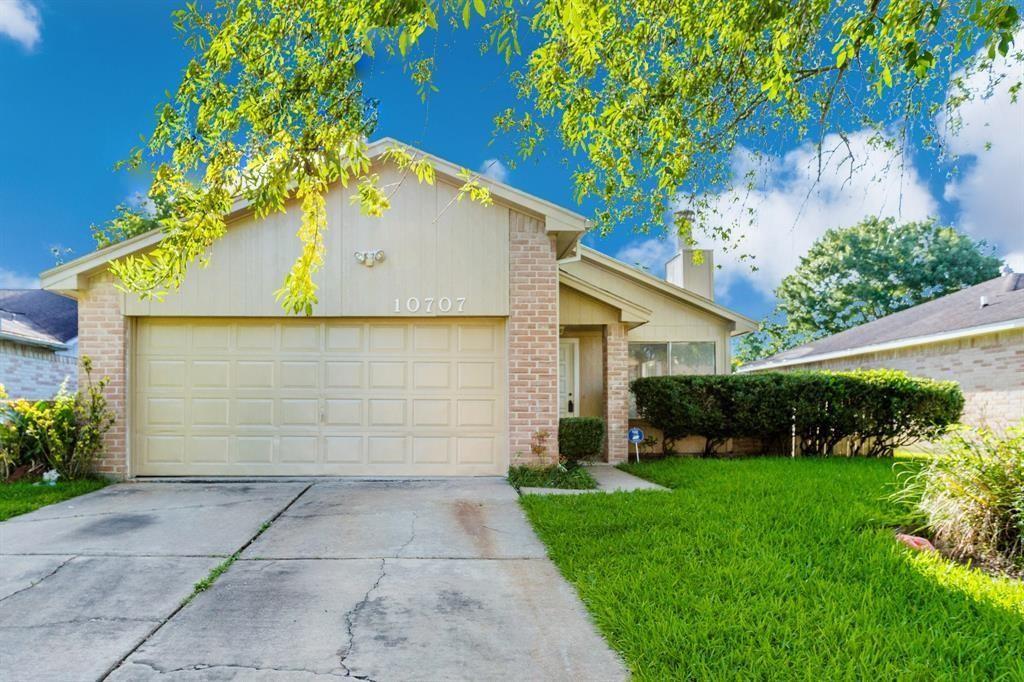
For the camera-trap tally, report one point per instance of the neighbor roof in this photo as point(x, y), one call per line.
point(37, 317)
point(955, 315)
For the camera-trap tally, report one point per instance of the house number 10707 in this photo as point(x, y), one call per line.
point(415, 304)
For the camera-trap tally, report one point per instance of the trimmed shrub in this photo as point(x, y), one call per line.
point(875, 411)
point(971, 497)
point(580, 437)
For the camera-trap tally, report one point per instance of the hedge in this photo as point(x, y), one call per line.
point(875, 411)
point(580, 437)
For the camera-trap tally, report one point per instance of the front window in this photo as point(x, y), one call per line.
point(662, 359)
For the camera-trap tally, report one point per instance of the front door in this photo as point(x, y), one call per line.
point(568, 373)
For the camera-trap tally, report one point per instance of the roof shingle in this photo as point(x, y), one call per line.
point(962, 310)
point(38, 316)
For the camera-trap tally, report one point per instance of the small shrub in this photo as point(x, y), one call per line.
point(572, 476)
point(66, 433)
point(580, 437)
point(971, 497)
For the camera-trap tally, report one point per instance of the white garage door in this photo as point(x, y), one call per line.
point(251, 397)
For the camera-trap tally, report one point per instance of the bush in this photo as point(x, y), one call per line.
point(971, 497)
point(876, 410)
point(66, 433)
point(572, 476)
point(580, 437)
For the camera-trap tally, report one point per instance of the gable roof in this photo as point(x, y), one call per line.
point(630, 312)
point(37, 317)
point(742, 324)
point(955, 315)
point(566, 225)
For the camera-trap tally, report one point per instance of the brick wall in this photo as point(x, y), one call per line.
point(532, 340)
point(989, 369)
point(34, 372)
point(616, 381)
point(102, 335)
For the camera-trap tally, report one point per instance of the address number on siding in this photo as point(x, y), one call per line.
point(429, 304)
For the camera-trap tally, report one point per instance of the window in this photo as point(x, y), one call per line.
point(676, 357)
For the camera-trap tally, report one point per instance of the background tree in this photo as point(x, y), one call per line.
point(857, 274)
point(649, 96)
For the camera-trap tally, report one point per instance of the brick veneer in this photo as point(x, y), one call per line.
point(33, 372)
point(103, 336)
point(616, 381)
point(989, 368)
point(532, 340)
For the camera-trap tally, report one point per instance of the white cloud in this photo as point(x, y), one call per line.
point(20, 21)
point(651, 253)
point(991, 138)
point(790, 206)
point(13, 280)
point(1015, 259)
point(494, 169)
point(142, 203)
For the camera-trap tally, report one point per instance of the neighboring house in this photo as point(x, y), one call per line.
point(38, 342)
point(974, 336)
point(447, 338)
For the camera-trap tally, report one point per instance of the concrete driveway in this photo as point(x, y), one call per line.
point(377, 580)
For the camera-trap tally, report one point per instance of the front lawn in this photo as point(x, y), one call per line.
point(23, 497)
point(775, 568)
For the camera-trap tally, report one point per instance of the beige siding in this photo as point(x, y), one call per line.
point(671, 319)
point(578, 308)
point(435, 248)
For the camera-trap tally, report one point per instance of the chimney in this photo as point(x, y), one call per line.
point(1012, 281)
point(683, 272)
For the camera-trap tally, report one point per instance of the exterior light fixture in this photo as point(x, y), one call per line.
point(369, 258)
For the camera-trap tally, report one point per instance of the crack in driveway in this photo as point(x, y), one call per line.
point(263, 527)
point(350, 625)
point(48, 575)
point(236, 666)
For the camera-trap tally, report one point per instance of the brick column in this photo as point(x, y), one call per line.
point(532, 341)
point(102, 335)
point(616, 382)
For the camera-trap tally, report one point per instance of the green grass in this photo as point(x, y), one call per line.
point(573, 477)
point(777, 569)
point(22, 497)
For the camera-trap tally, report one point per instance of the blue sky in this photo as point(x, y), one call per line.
point(79, 81)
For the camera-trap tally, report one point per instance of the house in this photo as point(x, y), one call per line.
point(974, 336)
point(38, 343)
point(448, 339)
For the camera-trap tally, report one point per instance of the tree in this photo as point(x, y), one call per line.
point(857, 274)
point(650, 96)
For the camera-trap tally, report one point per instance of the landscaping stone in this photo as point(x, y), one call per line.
point(916, 542)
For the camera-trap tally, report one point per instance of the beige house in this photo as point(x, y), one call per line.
point(448, 339)
point(974, 337)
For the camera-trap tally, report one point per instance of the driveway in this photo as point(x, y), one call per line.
point(377, 580)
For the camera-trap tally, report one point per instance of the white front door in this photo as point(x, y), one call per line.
point(568, 378)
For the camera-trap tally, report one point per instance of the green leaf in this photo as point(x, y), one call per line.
point(481, 9)
point(466, 8)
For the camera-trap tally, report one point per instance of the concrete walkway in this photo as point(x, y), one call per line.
point(379, 580)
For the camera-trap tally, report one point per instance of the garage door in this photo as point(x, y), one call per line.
point(332, 397)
